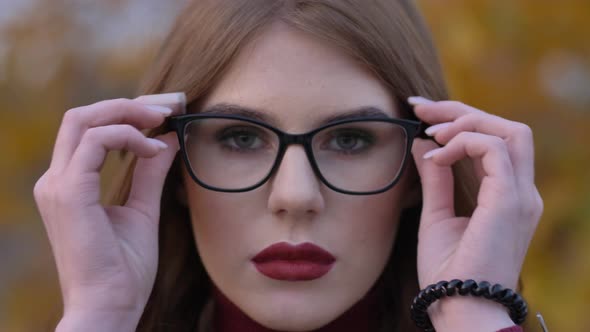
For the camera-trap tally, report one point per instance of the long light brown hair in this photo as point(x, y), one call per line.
point(388, 37)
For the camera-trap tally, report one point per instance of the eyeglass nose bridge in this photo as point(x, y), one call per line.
point(297, 139)
point(290, 139)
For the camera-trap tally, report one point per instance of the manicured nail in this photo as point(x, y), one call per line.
point(160, 109)
point(431, 153)
point(419, 100)
point(157, 143)
point(430, 131)
point(175, 101)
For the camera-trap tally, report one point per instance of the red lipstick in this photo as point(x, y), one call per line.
point(284, 261)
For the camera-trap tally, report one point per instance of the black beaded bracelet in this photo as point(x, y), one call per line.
point(506, 296)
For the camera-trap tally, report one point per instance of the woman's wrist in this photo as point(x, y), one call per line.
point(458, 314)
point(95, 321)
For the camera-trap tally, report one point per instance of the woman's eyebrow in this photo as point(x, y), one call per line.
point(364, 112)
point(232, 109)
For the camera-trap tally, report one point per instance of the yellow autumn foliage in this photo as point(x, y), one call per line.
point(527, 61)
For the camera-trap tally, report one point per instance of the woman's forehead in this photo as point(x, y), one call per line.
point(293, 77)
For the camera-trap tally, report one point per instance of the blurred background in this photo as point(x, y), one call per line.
point(528, 61)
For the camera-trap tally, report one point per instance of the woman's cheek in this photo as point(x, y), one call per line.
point(374, 241)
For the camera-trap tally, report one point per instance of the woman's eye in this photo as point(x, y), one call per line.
point(241, 139)
point(349, 142)
point(244, 141)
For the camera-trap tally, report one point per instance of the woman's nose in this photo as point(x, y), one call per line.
point(295, 189)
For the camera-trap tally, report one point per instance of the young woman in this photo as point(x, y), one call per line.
point(297, 193)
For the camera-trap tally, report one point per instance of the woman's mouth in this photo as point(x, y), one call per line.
point(284, 261)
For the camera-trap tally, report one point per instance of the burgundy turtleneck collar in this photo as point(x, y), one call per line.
point(363, 316)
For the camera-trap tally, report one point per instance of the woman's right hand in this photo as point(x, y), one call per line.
point(106, 256)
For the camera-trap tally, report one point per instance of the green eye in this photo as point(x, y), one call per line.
point(349, 141)
point(241, 139)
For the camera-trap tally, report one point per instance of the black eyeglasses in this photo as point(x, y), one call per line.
point(231, 153)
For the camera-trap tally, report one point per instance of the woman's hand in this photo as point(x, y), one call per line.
point(492, 243)
point(106, 256)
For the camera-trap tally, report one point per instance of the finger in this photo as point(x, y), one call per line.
point(149, 177)
point(518, 138)
point(175, 101)
point(118, 111)
point(440, 111)
point(98, 141)
point(491, 150)
point(437, 183)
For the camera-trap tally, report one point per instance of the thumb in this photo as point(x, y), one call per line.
point(437, 183)
point(149, 177)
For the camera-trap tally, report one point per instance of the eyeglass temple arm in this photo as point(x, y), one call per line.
point(170, 124)
point(421, 128)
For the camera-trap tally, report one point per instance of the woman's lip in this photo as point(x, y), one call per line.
point(284, 261)
point(284, 251)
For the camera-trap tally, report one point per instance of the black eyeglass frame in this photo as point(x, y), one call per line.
point(178, 124)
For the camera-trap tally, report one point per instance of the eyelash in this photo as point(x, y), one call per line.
point(232, 133)
point(367, 139)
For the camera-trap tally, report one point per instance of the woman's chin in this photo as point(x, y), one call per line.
point(291, 312)
point(295, 306)
point(291, 321)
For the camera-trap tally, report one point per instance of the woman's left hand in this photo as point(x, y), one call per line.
point(492, 243)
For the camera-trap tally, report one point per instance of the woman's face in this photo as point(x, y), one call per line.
point(298, 81)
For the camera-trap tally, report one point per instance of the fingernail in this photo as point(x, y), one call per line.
point(419, 100)
point(174, 100)
point(160, 109)
point(430, 131)
point(431, 153)
point(157, 143)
